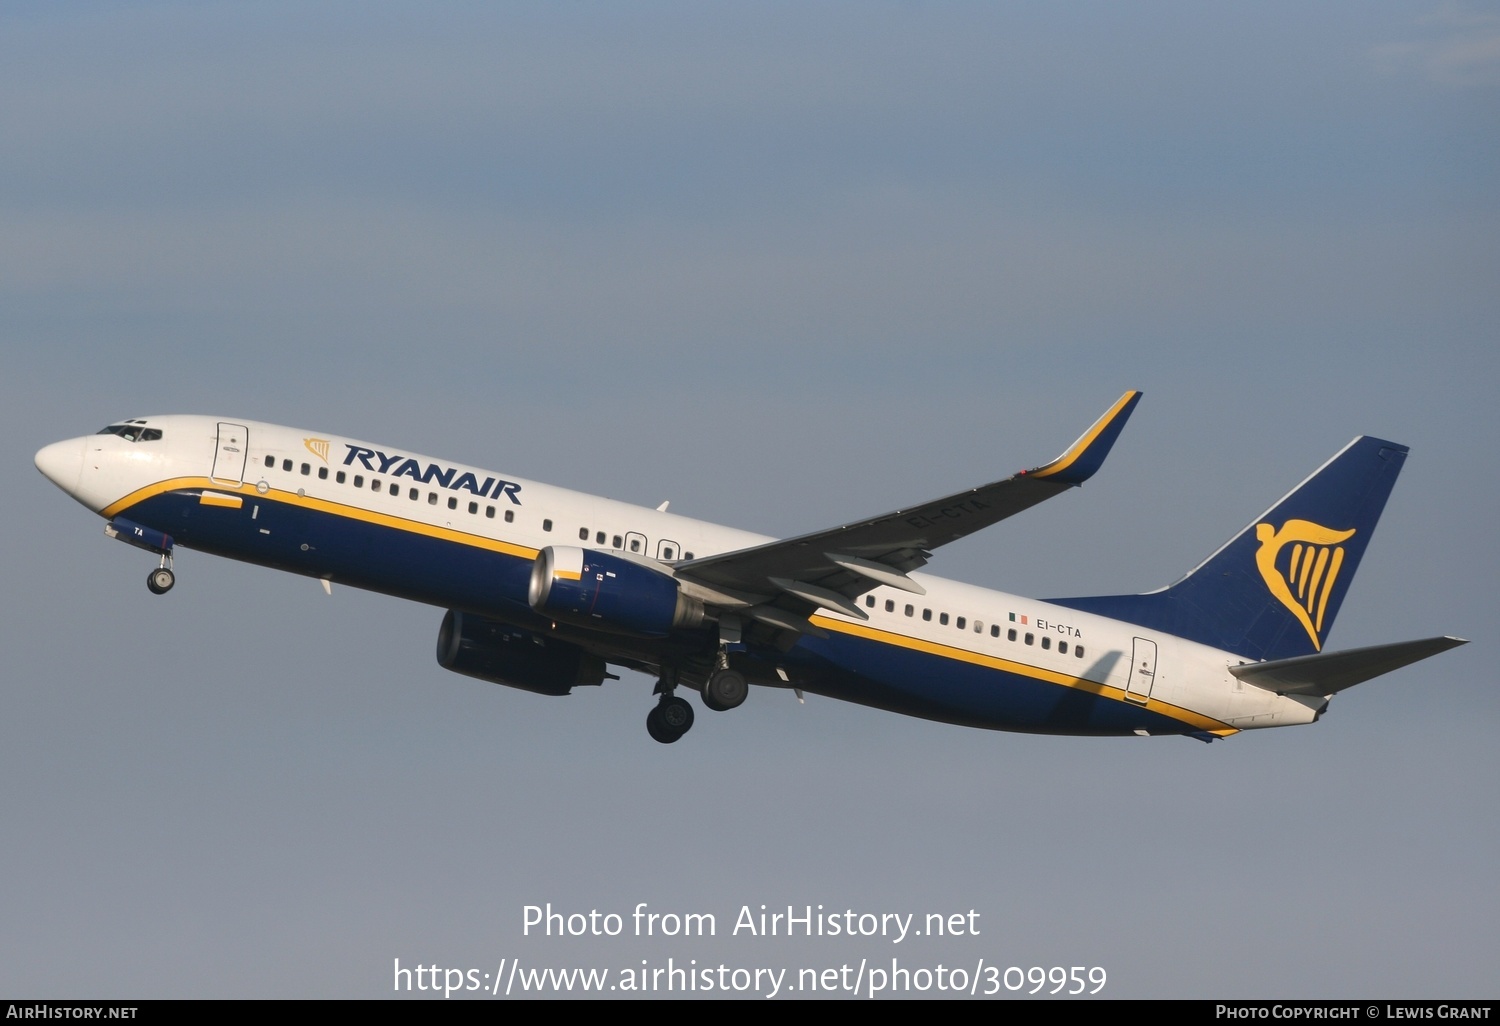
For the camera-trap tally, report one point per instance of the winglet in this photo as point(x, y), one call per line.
point(1085, 456)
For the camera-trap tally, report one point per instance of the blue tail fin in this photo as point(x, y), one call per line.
point(1273, 591)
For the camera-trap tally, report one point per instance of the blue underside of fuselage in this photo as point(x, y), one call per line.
point(412, 565)
point(935, 687)
point(406, 564)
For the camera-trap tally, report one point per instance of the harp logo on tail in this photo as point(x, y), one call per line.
point(1300, 563)
point(318, 447)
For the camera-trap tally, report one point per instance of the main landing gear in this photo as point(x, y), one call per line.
point(726, 689)
point(671, 718)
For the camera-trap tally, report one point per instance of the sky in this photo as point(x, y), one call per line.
point(784, 265)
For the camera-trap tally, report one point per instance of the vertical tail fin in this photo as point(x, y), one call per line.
point(1273, 591)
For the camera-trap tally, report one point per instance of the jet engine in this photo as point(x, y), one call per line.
point(502, 654)
point(609, 593)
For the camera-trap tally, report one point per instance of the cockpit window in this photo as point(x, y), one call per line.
point(133, 432)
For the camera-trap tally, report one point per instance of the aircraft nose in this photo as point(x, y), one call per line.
point(62, 462)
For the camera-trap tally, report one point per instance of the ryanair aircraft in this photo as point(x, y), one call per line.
point(545, 588)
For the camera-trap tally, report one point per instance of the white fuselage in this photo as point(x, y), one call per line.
point(331, 482)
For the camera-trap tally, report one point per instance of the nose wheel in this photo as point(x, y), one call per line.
point(160, 580)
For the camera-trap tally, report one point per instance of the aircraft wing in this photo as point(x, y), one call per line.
point(782, 582)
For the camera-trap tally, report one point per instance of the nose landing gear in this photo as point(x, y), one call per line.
point(160, 580)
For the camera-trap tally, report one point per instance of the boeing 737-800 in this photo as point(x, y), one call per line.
point(545, 588)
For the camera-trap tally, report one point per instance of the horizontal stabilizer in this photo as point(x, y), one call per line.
point(1327, 673)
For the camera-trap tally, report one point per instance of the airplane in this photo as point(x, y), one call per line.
point(545, 588)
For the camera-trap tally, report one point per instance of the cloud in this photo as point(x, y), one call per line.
point(1461, 49)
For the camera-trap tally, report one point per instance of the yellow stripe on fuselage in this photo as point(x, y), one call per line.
point(1187, 716)
point(324, 506)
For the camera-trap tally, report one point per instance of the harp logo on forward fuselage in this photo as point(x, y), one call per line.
point(1300, 563)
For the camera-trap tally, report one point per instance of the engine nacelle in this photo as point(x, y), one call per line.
point(502, 654)
point(609, 593)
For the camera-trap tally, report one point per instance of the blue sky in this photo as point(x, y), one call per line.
point(784, 265)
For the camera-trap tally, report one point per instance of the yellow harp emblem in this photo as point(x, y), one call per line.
point(1304, 579)
point(318, 447)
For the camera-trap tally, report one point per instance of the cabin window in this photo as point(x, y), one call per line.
point(943, 619)
point(927, 614)
point(1062, 648)
point(994, 630)
point(286, 465)
point(960, 622)
point(413, 494)
point(340, 477)
point(890, 605)
point(870, 601)
point(489, 511)
point(322, 473)
point(271, 461)
point(546, 525)
point(1031, 639)
point(359, 480)
point(1046, 642)
point(306, 470)
point(978, 627)
point(910, 609)
point(666, 553)
point(583, 534)
point(395, 489)
point(510, 514)
point(452, 502)
point(1078, 651)
point(432, 498)
point(1010, 635)
point(599, 540)
point(473, 507)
